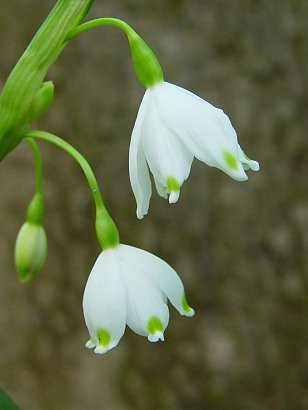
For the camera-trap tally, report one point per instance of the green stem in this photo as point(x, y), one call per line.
point(37, 164)
point(35, 211)
point(147, 66)
point(106, 230)
point(20, 89)
point(103, 21)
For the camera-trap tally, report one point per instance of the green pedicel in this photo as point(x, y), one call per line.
point(106, 230)
point(147, 67)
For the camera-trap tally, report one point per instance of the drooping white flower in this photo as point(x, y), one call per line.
point(172, 127)
point(130, 286)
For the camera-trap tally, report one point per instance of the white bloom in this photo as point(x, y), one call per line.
point(172, 127)
point(130, 286)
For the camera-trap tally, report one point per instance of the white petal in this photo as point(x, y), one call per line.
point(232, 166)
point(90, 344)
point(161, 274)
point(138, 170)
point(166, 155)
point(164, 191)
point(173, 197)
point(203, 128)
point(147, 312)
point(156, 337)
point(145, 184)
point(247, 162)
point(161, 189)
point(104, 303)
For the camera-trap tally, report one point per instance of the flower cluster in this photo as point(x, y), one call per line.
point(127, 286)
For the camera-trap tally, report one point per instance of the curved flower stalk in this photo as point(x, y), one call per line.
point(130, 286)
point(172, 127)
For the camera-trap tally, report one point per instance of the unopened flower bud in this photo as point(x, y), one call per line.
point(42, 100)
point(30, 250)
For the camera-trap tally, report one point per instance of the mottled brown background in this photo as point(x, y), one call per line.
point(241, 248)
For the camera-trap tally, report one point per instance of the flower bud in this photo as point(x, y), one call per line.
point(30, 250)
point(42, 100)
point(24, 87)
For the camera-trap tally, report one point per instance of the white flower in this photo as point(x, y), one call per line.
point(172, 127)
point(130, 286)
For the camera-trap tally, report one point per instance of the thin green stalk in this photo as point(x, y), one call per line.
point(147, 66)
point(103, 21)
point(37, 164)
point(106, 230)
point(35, 211)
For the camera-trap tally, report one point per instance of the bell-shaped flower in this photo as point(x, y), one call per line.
point(172, 127)
point(130, 286)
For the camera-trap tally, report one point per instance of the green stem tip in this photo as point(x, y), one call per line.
point(106, 230)
point(146, 64)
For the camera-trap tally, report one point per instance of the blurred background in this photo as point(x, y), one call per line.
point(240, 248)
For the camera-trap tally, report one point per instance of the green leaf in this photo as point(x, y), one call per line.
point(6, 403)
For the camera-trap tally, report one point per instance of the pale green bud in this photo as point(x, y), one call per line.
point(42, 100)
point(30, 250)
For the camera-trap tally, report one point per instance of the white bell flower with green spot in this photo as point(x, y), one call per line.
point(130, 286)
point(172, 127)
